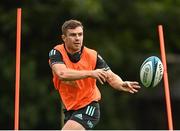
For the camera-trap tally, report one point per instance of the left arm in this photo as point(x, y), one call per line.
point(114, 80)
point(117, 83)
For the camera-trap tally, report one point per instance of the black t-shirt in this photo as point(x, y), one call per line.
point(56, 57)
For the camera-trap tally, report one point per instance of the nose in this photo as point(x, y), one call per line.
point(77, 37)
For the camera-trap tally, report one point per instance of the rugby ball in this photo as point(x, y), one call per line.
point(151, 71)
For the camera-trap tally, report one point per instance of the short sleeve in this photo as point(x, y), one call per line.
point(101, 63)
point(55, 57)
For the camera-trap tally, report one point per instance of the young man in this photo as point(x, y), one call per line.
point(75, 71)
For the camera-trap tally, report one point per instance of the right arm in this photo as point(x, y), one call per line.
point(66, 74)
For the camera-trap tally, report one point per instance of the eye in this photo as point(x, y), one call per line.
point(72, 34)
point(80, 34)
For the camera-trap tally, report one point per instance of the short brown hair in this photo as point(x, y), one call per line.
point(70, 24)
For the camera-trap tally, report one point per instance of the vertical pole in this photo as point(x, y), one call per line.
point(17, 87)
point(166, 84)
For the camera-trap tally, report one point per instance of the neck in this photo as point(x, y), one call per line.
point(71, 51)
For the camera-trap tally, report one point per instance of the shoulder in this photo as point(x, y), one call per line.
point(54, 52)
point(58, 47)
point(91, 51)
point(55, 56)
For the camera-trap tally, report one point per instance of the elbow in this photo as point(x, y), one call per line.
point(61, 75)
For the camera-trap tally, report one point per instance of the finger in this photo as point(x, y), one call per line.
point(102, 78)
point(136, 86)
point(131, 88)
point(104, 74)
point(134, 90)
point(133, 82)
point(99, 79)
point(129, 85)
point(130, 91)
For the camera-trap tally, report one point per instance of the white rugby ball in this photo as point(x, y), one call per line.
point(151, 71)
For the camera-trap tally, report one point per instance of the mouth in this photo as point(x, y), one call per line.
point(77, 43)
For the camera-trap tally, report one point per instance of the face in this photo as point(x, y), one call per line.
point(73, 39)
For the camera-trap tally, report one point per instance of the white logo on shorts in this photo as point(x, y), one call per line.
point(79, 116)
point(90, 124)
point(90, 110)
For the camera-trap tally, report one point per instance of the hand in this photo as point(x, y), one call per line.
point(100, 75)
point(130, 86)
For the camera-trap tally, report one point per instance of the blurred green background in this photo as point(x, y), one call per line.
point(124, 32)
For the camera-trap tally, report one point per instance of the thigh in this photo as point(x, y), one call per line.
point(88, 116)
point(73, 125)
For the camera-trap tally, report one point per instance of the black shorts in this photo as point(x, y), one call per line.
point(87, 116)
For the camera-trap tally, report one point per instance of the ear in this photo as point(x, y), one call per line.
point(63, 37)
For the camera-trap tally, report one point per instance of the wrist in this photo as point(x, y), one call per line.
point(89, 73)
